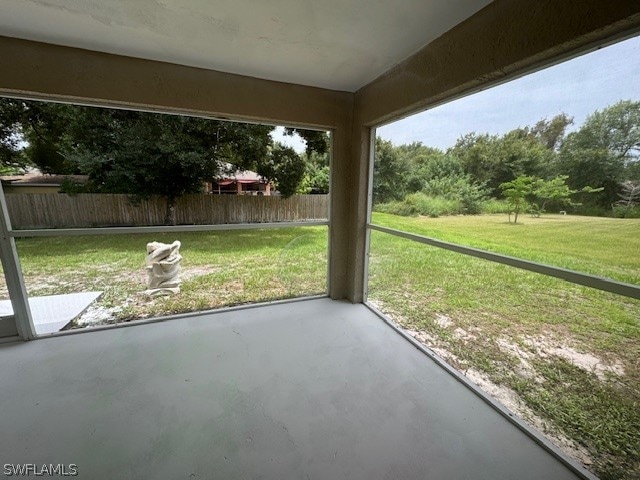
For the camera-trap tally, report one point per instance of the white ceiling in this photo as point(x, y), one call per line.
point(335, 44)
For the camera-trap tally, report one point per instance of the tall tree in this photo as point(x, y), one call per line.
point(603, 151)
point(492, 160)
point(30, 134)
point(150, 154)
point(550, 133)
point(390, 173)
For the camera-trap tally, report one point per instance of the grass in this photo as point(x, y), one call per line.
point(601, 246)
point(510, 326)
point(524, 331)
point(219, 269)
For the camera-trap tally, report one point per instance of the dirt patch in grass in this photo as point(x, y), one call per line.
point(545, 347)
point(504, 395)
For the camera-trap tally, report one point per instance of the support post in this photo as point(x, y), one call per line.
point(13, 275)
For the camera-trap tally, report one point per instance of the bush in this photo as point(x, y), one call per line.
point(495, 206)
point(622, 212)
point(396, 208)
point(421, 204)
point(459, 188)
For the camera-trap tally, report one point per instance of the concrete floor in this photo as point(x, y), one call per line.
point(316, 389)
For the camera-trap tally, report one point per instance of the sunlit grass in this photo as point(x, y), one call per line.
point(601, 246)
point(218, 268)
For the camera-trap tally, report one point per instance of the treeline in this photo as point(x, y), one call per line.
point(144, 154)
point(593, 170)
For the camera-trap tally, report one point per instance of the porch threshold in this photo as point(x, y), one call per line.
point(310, 389)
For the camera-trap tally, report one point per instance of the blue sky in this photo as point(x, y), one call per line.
point(576, 87)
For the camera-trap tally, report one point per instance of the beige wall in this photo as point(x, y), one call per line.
point(505, 39)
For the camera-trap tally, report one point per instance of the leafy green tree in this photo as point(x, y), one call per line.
point(143, 154)
point(493, 160)
point(316, 140)
point(603, 152)
point(389, 173)
point(30, 134)
point(283, 166)
point(316, 178)
point(422, 163)
point(554, 191)
point(516, 192)
point(550, 133)
point(146, 154)
point(12, 158)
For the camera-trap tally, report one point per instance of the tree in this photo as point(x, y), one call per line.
point(12, 158)
point(389, 173)
point(316, 178)
point(146, 154)
point(550, 133)
point(316, 140)
point(629, 196)
point(30, 133)
point(493, 160)
point(554, 190)
point(516, 192)
point(283, 166)
point(604, 151)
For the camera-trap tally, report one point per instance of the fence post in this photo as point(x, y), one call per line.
point(13, 275)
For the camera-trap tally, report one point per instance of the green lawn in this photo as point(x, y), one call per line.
point(608, 247)
point(569, 352)
point(218, 269)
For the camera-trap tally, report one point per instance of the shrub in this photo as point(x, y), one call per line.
point(459, 188)
point(421, 204)
point(494, 205)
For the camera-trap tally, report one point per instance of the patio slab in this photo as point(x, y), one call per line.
point(52, 313)
point(315, 389)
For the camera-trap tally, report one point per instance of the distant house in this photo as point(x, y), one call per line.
point(239, 182)
point(37, 182)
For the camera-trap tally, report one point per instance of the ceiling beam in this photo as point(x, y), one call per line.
point(505, 39)
point(50, 72)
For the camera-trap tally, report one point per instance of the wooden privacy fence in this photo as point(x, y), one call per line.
point(41, 210)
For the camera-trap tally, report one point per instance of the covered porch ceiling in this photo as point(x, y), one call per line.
point(333, 44)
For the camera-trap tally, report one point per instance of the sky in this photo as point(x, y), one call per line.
point(576, 87)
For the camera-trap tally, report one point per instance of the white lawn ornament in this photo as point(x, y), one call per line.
point(163, 268)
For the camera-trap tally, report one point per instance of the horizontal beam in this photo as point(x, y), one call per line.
point(52, 72)
point(68, 232)
point(592, 281)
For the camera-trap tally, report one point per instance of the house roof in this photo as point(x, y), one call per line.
point(241, 176)
point(334, 44)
